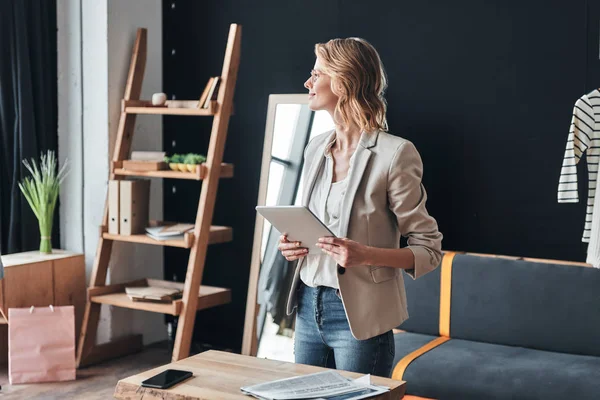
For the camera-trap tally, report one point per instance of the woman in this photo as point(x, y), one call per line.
point(365, 185)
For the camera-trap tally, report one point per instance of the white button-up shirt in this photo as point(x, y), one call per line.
point(325, 200)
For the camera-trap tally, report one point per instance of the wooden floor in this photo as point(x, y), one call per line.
point(93, 383)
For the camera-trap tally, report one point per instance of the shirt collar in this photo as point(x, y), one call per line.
point(367, 140)
point(330, 142)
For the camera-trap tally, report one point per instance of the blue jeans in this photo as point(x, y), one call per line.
point(323, 337)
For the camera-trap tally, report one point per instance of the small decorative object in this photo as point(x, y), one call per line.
point(159, 99)
point(173, 161)
point(41, 193)
point(192, 160)
point(185, 162)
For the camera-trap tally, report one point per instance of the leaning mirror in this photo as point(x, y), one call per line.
point(289, 127)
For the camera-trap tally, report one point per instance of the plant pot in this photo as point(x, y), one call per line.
point(173, 166)
point(192, 167)
point(182, 167)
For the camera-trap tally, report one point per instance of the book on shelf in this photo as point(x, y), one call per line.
point(168, 232)
point(213, 91)
point(204, 95)
point(148, 155)
point(153, 293)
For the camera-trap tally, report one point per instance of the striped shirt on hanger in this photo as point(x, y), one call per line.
point(584, 137)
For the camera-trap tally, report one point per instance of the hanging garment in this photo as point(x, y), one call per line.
point(584, 137)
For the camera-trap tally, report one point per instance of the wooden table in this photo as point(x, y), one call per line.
point(219, 375)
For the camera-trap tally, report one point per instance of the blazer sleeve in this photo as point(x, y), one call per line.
point(407, 198)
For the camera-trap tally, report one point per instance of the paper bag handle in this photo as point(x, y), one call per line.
point(32, 307)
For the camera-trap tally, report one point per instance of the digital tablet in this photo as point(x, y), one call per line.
point(300, 224)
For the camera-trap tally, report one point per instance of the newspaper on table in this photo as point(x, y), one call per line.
point(328, 385)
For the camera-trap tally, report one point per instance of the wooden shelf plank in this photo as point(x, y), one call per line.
point(201, 173)
point(173, 107)
point(121, 300)
point(209, 296)
point(218, 234)
point(144, 239)
point(169, 111)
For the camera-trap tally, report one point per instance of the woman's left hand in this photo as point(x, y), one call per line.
point(345, 252)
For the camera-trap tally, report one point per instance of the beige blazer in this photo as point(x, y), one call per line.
point(384, 200)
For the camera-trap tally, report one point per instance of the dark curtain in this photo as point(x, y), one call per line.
point(28, 112)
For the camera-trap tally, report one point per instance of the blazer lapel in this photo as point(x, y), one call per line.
point(311, 177)
point(316, 161)
point(361, 159)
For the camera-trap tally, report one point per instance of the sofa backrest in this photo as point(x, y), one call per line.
point(533, 304)
point(423, 298)
point(553, 307)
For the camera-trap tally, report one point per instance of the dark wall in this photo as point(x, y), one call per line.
point(485, 90)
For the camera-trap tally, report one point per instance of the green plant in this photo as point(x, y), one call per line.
point(176, 158)
point(193, 158)
point(190, 158)
point(41, 191)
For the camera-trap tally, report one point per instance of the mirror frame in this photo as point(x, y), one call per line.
point(250, 340)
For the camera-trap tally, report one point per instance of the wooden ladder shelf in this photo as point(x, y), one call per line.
point(195, 296)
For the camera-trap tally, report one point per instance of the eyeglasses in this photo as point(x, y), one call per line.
point(314, 75)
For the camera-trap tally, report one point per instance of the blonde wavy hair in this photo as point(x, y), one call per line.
point(358, 79)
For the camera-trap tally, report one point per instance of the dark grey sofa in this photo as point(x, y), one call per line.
point(519, 329)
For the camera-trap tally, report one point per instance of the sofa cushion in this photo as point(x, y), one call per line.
point(407, 342)
point(553, 307)
point(460, 369)
point(423, 298)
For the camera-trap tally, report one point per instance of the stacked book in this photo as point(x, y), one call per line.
point(168, 232)
point(153, 294)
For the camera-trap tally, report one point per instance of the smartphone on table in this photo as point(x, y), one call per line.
point(166, 379)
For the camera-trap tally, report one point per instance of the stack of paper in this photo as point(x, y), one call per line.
point(328, 385)
point(168, 232)
point(152, 293)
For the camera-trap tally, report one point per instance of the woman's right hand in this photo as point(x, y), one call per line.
point(291, 250)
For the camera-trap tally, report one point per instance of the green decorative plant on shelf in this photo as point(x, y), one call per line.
point(41, 191)
point(185, 162)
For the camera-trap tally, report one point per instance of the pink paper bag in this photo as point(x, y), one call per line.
point(41, 344)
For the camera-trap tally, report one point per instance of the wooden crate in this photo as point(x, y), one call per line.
point(34, 279)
